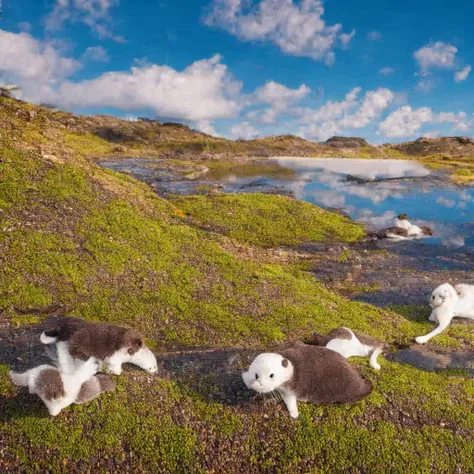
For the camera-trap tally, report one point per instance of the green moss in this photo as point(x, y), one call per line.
point(88, 143)
point(463, 172)
point(268, 220)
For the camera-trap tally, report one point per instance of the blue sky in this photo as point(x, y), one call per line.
point(387, 71)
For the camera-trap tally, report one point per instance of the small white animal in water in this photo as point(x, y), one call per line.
point(350, 344)
point(449, 302)
point(112, 345)
point(413, 230)
point(58, 388)
point(306, 373)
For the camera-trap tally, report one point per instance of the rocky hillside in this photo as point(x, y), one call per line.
point(209, 280)
point(447, 146)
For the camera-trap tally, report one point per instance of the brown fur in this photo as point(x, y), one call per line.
point(90, 339)
point(94, 387)
point(322, 340)
point(49, 384)
point(324, 376)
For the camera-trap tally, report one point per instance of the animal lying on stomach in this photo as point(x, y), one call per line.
point(58, 389)
point(306, 373)
point(350, 344)
point(399, 233)
point(112, 345)
point(449, 302)
point(413, 230)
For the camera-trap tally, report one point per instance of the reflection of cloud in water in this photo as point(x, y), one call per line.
point(385, 220)
point(454, 241)
point(329, 198)
point(367, 169)
point(446, 202)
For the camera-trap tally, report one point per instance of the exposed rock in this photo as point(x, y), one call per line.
point(346, 142)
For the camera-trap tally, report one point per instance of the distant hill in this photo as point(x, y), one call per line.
point(449, 146)
point(103, 134)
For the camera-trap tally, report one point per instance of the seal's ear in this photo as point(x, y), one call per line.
point(284, 362)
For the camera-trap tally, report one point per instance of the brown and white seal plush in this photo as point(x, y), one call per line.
point(350, 344)
point(60, 389)
point(112, 345)
point(308, 374)
point(400, 233)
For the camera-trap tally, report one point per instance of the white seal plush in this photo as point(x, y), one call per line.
point(308, 374)
point(112, 345)
point(350, 344)
point(449, 302)
point(57, 388)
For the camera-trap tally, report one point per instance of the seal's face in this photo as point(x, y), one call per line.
point(441, 294)
point(266, 373)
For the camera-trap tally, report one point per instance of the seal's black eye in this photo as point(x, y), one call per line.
point(271, 376)
point(256, 376)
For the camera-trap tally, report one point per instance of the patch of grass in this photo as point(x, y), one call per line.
point(268, 220)
point(88, 144)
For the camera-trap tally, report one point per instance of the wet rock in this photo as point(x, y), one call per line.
point(423, 358)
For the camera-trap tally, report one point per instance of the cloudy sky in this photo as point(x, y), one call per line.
point(387, 71)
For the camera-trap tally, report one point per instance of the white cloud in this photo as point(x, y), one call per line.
point(405, 121)
point(205, 126)
point(433, 134)
point(374, 103)
point(24, 26)
point(94, 13)
point(298, 29)
point(462, 75)
point(436, 55)
point(374, 35)
point(243, 131)
point(205, 90)
point(425, 86)
point(279, 97)
point(386, 71)
point(459, 120)
point(96, 53)
point(345, 38)
point(333, 117)
point(273, 92)
point(25, 59)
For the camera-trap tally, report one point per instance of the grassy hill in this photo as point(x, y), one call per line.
point(191, 272)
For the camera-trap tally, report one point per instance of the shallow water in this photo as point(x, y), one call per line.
point(370, 191)
point(375, 192)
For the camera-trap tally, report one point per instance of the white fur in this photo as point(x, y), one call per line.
point(72, 383)
point(47, 339)
point(354, 348)
point(449, 302)
point(413, 230)
point(143, 358)
point(267, 373)
point(403, 223)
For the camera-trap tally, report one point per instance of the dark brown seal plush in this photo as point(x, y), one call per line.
point(110, 344)
point(309, 374)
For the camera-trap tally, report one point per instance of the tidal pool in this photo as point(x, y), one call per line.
point(370, 191)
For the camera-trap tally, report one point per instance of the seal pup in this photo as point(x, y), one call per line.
point(57, 388)
point(449, 302)
point(112, 345)
point(308, 374)
point(349, 344)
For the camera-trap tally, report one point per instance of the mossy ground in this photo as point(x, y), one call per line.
point(106, 248)
point(268, 220)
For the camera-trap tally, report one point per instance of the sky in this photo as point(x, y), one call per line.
point(385, 71)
